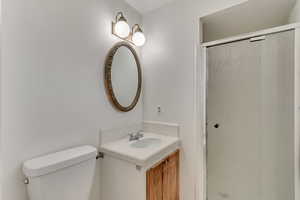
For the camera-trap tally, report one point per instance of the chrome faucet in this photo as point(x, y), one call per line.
point(135, 136)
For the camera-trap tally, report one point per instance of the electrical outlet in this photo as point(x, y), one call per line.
point(158, 109)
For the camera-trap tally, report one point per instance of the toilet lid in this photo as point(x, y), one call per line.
point(56, 161)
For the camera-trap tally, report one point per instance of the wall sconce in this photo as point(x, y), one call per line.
point(138, 37)
point(121, 29)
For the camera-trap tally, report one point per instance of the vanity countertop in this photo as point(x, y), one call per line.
point(143, 152)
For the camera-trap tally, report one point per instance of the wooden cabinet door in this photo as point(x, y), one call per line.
point(163, 180)
point(171, 177)
point(155, 183)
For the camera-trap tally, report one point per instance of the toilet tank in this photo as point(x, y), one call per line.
point(65, 175)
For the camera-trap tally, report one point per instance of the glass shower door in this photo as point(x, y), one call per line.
point(250, 116)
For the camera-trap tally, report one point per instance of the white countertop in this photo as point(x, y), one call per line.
point(123, 149)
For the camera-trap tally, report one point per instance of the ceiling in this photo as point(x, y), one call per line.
point(144, 6)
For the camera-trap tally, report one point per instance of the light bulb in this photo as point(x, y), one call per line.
point(138, 38)
point(122, 29)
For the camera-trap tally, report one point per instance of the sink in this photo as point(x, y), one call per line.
point(146, 142)
point(143, 152)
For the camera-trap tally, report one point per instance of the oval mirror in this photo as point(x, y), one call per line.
point(123, 77)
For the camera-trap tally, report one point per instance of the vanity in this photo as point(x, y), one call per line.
point(142, 169)
point(139, 162)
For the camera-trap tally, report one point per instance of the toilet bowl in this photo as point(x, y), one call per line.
point(65, 175)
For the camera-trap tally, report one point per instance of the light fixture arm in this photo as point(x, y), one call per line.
point(136, 28)
point(120, 17)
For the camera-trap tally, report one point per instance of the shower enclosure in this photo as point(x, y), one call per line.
point(252, 118)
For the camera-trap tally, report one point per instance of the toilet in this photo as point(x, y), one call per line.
point(65, 175)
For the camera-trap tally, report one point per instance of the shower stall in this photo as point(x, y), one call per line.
point(252, 108)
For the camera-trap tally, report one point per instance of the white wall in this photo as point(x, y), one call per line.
point(169, 61)
point(0, 104)
point(52, 80)
point(295, 13)
point(297, 113)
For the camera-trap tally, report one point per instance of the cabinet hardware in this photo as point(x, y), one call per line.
point(100, 155)
point(26, 181)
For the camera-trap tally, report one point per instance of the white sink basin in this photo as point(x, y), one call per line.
point(149, 149)
point(146, 142)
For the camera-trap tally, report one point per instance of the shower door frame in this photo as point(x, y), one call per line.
point(201, 78)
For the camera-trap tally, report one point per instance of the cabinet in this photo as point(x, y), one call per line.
point(163, 179)
point(123, 180)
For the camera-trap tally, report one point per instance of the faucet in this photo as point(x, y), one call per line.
point(135, 136)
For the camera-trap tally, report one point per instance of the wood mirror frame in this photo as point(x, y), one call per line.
point(108, 81)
